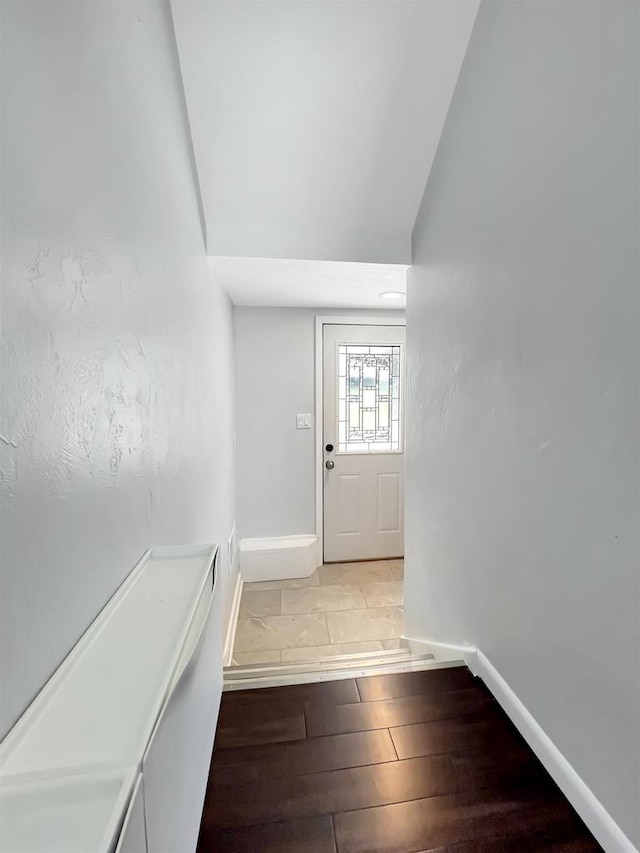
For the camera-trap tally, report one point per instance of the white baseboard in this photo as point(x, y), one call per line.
point(227, 651)
point(441, 651)
point(279, 558)
point(599, 821)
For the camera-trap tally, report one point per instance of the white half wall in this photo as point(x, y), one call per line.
point(523, 345)
point(279, 558)
point(275, 360)
point(116, 430)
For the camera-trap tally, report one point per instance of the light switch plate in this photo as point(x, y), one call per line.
point(303, 421)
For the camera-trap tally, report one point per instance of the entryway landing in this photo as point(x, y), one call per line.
point(341, 609)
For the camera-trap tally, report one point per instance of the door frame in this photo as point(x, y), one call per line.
point(323, 320)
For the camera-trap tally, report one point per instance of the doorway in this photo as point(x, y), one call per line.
point(349, 613)
point(362, 442)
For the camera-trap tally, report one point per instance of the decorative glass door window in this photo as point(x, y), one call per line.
point(369, 415)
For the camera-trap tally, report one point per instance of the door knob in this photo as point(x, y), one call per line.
point(330, 464)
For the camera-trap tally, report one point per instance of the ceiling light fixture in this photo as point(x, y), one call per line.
point(392, 294)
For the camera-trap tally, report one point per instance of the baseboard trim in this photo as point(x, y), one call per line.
point(227, 652)
point(279, 558)
point(598, 820)
point(440, 651)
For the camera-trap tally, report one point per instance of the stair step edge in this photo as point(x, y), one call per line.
point(281, 677)
point(392, 654)
point(329, 664)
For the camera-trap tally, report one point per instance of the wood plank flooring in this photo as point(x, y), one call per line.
point(422, 762)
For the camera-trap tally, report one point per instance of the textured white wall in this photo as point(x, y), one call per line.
point(523, 343)
point(275, 360)
point(117, 360)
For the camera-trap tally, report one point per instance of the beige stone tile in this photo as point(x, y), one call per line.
point(281, 632)
point(397, 567)
point(292, 583)
point(388, 645)
point(310, 653)
point(354, 626)
point(385, 594)
point(355, 573)
point(360, 648)
point(322, 598)
point(260, 602)
point(248, 658)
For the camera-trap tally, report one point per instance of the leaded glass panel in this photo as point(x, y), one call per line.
point(369, 417)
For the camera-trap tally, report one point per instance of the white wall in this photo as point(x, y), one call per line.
point(275, 381)
point(117, 371)
point(523, 344)
point(275, 359)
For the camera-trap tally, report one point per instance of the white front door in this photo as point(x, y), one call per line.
point(363, 457)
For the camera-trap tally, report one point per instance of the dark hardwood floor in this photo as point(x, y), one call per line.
point(423, 762)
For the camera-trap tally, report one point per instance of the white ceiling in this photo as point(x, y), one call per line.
point(314, 284)
point(315, 123)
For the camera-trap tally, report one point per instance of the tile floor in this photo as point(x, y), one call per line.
point(343, 608)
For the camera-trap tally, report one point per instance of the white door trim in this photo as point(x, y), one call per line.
point(337, 320)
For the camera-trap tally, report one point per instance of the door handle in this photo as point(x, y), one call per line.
point(330, 464)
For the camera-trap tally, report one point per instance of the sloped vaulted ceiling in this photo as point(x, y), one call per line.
point(315, 124)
